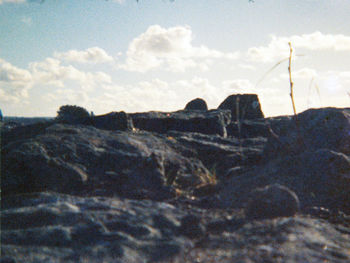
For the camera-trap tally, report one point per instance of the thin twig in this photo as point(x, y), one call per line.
point(270, 70)
point(273, 67)
point(314, 85)
point(290, 77)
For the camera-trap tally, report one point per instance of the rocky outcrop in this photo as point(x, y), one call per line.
point(271, 191)
point(314, 129)
point(84, 160)
point(197, 104)
point(114, 121)
point(319, 178)
point(23, 132)
point(243, 106)
point(210, 122)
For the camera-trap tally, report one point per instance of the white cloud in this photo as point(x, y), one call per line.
point(51, 72)
point(10, 73)
point(238, 86)
point(345, 75)
point(70, 96)
point(278, 47)
point(157, 95)
point(304, 73)
point(142, 96)
point(14, 82)
point(170, 49)
point(198, 87)
point(247, 66)
point(90, 55)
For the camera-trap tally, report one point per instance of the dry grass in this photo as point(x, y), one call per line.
point(290, 78)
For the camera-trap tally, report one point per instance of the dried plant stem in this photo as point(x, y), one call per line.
point(299, 138)
point(290, 78)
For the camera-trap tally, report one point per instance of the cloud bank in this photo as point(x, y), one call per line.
point(91, 55)
point(170, 49)
point(278, 47)
point(15, 82)
point(65, 78)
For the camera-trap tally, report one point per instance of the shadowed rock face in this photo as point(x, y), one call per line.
point(197, 104)
point(78, 193)
point(327, 128)
point(272, 201)
point(114, 121)
point(84, 160)
point(243, 106)
point(210, 122)
point(51, 227)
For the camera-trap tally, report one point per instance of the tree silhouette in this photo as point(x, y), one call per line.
point(71, 113)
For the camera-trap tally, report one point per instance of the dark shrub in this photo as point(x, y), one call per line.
point(71, 113)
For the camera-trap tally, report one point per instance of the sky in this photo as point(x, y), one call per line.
point(124, 55)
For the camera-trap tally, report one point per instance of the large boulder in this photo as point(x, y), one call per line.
point(208, 122)
point(326, 128)
point(197, 104)
point(319, 178)
point(243, 106)
point(83, 160)
point(272, 201)
point(113, 121)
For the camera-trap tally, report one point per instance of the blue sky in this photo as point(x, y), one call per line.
point(157, 55)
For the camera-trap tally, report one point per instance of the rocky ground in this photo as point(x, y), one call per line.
point(187, 186)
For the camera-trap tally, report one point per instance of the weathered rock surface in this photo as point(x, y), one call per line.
point(243, 106)
point(220, 154)
point(320, 178)
point(84, 160)
point(51, 227)
point(272, 201)
point(210, 122)
point(98, 192)
point(114, 121)
point(327, 128)
point(197, 104)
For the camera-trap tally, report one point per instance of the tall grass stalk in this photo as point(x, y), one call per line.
point(290, 78)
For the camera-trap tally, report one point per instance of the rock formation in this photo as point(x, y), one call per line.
point(272, 201)
point(207, 122)
point(197, 104)
point(112, 121)
point(178, 188)
point(243, 106)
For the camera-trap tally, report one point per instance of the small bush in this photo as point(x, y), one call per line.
point(70, 113)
